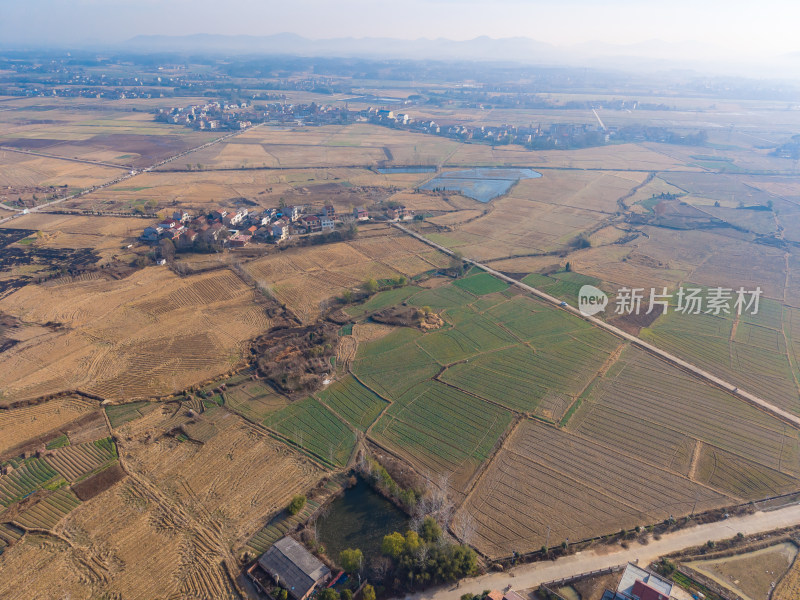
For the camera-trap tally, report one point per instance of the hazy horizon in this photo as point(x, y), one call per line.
point(725, 29)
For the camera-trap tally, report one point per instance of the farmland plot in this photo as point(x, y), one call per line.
point(25, 423)
point(354, 402)
point(442, 431)
point(750, 351)
point(146, 335)
point(46, 513)
point(545, 479)
point(312, 426)
point(663, 409)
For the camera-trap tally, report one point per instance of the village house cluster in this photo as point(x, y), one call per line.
point(212, 115)
point(240, 227)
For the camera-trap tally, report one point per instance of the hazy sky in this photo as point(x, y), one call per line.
point(743, 28)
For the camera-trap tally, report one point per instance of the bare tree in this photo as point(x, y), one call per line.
point(464, 526)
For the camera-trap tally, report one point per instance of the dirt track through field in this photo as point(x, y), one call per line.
point(666, 356)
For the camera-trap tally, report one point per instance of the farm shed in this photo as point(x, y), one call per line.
point(640, 584)
point(294, 568)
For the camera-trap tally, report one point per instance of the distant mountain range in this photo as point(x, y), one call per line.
point(480, 48)
point(648, 55)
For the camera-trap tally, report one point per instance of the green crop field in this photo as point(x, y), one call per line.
point(394, 363)
point(312, 426)
point(563, 285)
point(470, 334)
point(356, 403)
point(481, 283)
point(253, 400)
point(442, 430)
point(76, 462)
point(47, 513)
point(119, 414)
point(30, 475)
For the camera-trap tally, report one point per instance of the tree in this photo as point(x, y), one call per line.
point(370, 286)
point(283, 594)
point(351, 560)
point(430, 530)
point(368, 593)
point(568, 267)
point(412, 541)
point(297, 504)
point(346, 595)
point(167, 249)
point(328, 594)
point(393, 545)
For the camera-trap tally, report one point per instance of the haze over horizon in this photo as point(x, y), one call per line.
point(731, 30)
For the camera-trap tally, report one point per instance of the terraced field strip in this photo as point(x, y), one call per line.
point(73, 462)
point(441, 430)
point(47, 513)
point(119, 414)
point(666, 356)
point(26, 478)
point(354, 402)
point(279, 527)
point(313, 427)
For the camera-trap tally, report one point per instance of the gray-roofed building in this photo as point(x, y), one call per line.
point(294, 568)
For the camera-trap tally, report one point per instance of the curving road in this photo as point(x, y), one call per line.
point(713, 379)
point(531, 575)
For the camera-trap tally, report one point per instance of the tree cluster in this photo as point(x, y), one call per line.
point(423, 559)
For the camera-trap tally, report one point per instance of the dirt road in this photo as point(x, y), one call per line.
point(531, 575)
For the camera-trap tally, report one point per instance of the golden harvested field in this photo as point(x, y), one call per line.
point(167, 530)
point(306, 279)
point(23, 170)
point(107, 235)
point(540, 215)
point(198, 191)
point(358, 144)
point(232, 481)
point(667, 257)
point(21, 424)
point(149, 334)
point(109, 135)
point(590, 190)
point(789, 587)
point(616, 157)
point(32, 568)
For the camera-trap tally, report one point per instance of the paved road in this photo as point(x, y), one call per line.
point(129, 175)
point(729, 387)
point(531, 575)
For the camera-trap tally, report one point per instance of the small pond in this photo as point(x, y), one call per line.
point(359, 519)
point(481, 183)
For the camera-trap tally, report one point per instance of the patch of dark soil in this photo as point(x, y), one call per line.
point(10, 235)
point(151, 148)
point(98, 483)
point(634, 323)
point(30, 143)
